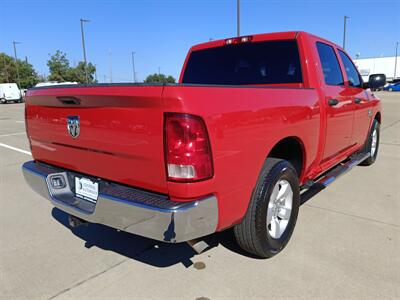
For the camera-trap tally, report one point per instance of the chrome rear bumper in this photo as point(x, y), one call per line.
point(128, 209)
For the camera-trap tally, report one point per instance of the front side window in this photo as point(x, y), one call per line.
point(351, 71)
point(330, 65)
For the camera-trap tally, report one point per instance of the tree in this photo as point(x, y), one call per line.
point(159, 78)
point(61, 71)
point(28, 76)
point(8, 71)
point(58, 67)
point(78, 73)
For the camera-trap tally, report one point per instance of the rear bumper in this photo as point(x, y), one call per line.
point(128, 209)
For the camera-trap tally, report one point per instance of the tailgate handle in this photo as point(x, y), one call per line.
point(69, 100)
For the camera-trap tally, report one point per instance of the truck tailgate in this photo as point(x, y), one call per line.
point(120, 135)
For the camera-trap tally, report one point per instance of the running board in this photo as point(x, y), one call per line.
point(314, 187)
point(342, 169)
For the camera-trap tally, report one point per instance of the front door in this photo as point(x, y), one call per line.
point(361, 104)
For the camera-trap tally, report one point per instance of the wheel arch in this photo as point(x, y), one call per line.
point(378, 117)
point(291, 149)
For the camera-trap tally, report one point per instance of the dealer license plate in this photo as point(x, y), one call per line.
point(86, 189)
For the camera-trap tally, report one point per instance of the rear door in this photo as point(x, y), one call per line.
point(361, 104)
point(338, 104)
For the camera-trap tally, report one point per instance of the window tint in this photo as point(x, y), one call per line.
point(330, 65)
point(351, 71)
point(269, 62)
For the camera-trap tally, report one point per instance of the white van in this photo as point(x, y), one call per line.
point(9, 92)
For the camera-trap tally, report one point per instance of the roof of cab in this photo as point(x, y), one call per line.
point(286, 35)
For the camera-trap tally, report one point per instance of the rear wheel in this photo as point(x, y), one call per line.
point(272, 213)
point(372, 144)
point(3, 101)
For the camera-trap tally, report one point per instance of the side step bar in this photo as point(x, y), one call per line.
point(314, 187)
point(342, 169)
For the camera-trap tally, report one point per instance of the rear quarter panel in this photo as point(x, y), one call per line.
point(244, 123)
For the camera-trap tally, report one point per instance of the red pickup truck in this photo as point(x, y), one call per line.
point(253, 122)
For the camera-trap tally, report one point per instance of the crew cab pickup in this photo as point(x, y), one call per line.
point(253, 122)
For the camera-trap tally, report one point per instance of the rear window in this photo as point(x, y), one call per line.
point(272, 62)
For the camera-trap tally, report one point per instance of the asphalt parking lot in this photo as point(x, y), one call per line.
point(346, 243)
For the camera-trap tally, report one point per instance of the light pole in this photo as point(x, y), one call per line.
point(133, 67)
point(344, 31)
point(395, 61)
point(238, 18)
point(16, 62)
point(84, 49)
point(110, 60)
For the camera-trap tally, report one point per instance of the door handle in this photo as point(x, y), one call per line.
point(357, 100)
point(333, 102)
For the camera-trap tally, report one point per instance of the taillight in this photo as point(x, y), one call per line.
point(187, 148)
point(26, 125)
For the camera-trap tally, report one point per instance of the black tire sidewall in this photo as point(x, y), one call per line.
point(282, 170)
point(375, 126)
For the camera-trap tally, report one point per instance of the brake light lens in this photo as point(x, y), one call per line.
point(187, 147)
point(238, 40)
point(26, 124)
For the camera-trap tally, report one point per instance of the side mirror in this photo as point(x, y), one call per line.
point(376, 81)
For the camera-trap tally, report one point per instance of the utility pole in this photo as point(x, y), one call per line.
point(344, 31)
point(238, 18)
point(133, 67)
point(395, 61)
point(16, 63)
point(84, 50)
point(110, 58)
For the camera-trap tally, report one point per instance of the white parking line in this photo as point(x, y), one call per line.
point(15, 149)
point(12, 134)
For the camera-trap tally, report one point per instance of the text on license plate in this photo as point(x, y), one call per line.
point(86, 189)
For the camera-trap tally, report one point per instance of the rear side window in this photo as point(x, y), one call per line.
point(272, 62)
point(330, 64)
point(351, 71)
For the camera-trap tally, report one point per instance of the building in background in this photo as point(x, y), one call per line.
point(378, 65)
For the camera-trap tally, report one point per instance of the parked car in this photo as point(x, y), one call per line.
point(395, 87)
point(9, 92)
point(252, 122)
point(51, 83)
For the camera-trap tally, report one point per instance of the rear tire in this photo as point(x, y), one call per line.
point(271, 216)
point(372, 144)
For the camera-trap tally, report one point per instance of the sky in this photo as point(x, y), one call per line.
point(160, 32)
